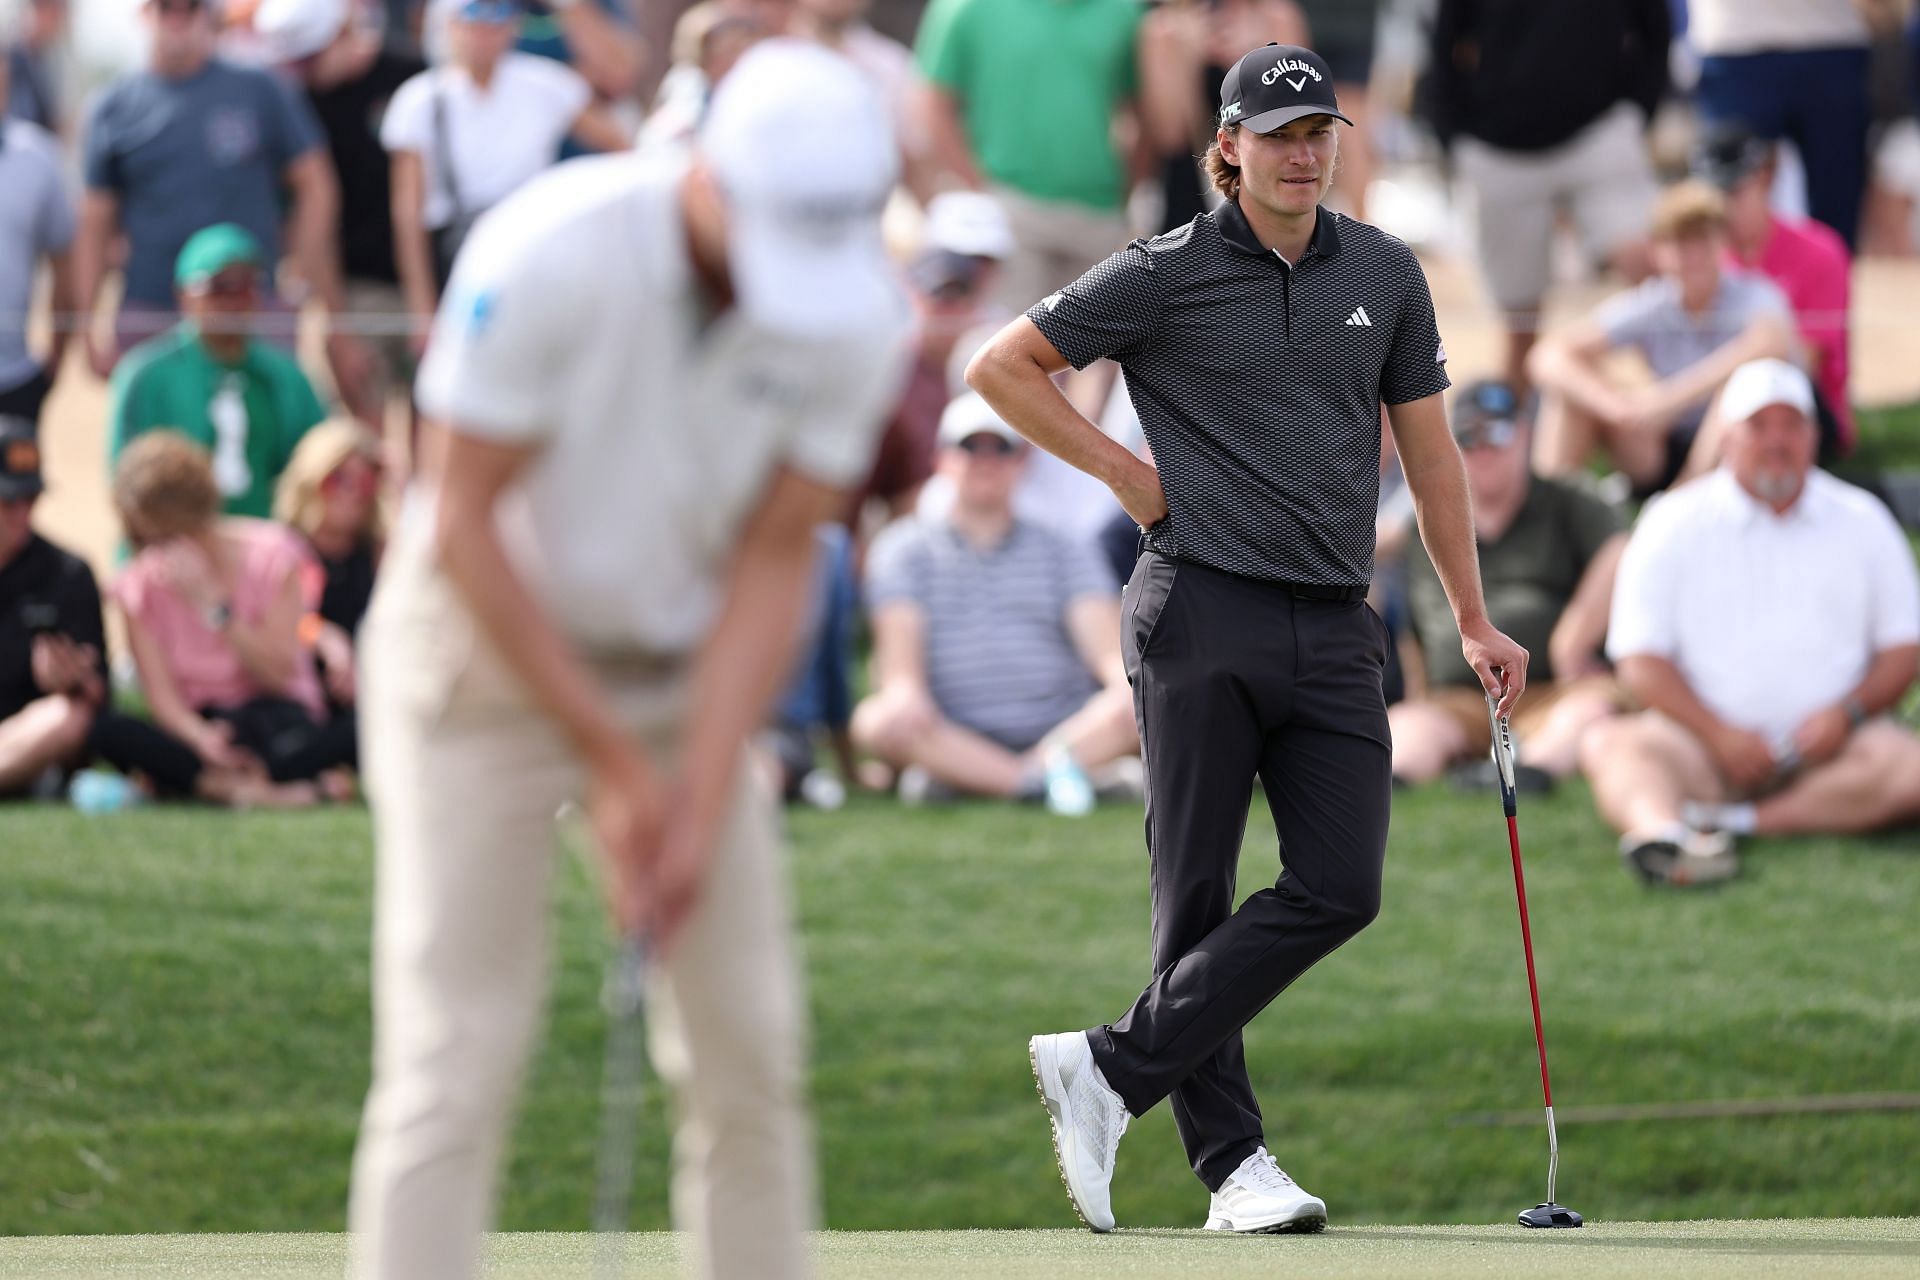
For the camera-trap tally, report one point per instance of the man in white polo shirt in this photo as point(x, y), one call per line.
point(650, 378)
point(1768, 616)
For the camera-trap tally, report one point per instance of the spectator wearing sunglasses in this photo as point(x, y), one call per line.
point(243, 400)
point(188, 142)
point(1548, 552)
point(330, 496)
point(996, 640)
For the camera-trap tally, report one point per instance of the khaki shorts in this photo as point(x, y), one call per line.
point(1602, 177)
point(1468, 707)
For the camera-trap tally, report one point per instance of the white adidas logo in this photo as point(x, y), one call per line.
point(1359, 316)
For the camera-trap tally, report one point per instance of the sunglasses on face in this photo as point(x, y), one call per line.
point(228, 284)
point(1497, 433)
point(984, 445)
point(177, 8)
point(364, 479)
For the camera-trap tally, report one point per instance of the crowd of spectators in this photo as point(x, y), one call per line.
point(1727, 665)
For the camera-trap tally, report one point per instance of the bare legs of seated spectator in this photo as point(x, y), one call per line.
point(1649, 773)
point(1432, 734)
point(48, 733)
point(908, 730)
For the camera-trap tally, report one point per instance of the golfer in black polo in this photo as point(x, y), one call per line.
point(1259, 342)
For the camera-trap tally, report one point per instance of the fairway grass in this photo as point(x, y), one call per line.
point(1856, 1248)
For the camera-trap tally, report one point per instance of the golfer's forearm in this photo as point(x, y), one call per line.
point(1659, 686)
point(1026, 398)
point(1444, 511)
point(516, 625)
point(1889, 676)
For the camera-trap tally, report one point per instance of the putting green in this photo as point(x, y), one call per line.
point(1851, 1247)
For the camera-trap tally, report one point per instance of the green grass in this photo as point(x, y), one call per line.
point(1853, 1248)
point(184, 1044)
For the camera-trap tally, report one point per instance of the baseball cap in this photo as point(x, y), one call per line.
point(1728, 152)
point(940, 274)
point(802, 150)
point(1486, 412)
point(969, 415)
point(296, 29)
point(970, 223)
point(211, 250)
point(1277, 84)
point(1759, 383)
point(19, 459)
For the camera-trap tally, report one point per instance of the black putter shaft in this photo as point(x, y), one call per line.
point(1549, 1213)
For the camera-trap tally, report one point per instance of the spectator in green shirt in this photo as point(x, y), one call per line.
point(245, 401)
point(1022, 102)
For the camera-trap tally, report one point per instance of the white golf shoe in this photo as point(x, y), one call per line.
point(1088, 1119)
point(1259, 1197)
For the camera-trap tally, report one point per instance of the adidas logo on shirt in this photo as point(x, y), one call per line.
point(1359, 316)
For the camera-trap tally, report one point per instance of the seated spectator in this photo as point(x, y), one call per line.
point(1692, 324)
point(36, 225)
point(464, 136)
point(996, 641)
point(330, 495)
point(53, 672)
point(214, 609)
point(1807, 260)
point(1768, 617)
point(244, 400)
point(1548, 551)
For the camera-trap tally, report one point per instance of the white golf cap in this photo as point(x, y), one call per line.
point(1759, 383)
point(970, 223)
point(969, 415)
point(803, 152)
point(296, 29)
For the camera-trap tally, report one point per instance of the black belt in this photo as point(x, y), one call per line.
point(1320, 591)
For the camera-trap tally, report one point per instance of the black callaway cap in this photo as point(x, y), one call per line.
point(1277, 84)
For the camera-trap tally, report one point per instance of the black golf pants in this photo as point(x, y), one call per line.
point(1235, 679)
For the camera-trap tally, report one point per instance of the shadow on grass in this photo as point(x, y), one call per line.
point(1583, 1239)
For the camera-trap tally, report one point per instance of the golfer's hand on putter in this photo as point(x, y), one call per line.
point(1500, 663)
point(626, 803)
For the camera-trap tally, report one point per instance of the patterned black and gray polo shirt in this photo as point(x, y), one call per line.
point(1259, 384)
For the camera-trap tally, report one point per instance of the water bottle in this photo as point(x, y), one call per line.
point(103, 791)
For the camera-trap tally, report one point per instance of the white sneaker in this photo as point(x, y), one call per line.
point(1088, 1119)
point(1260, 1197)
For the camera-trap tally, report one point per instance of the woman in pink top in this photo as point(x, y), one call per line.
point(215, 609)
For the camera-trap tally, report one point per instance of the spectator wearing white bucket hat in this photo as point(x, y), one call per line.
point(1768, 617)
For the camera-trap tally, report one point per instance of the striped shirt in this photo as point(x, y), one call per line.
point(999, 659)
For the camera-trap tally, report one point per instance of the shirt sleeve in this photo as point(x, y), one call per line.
point(1416, 364)
point(291, 123)
point(896, 565)
point(1111, 311)
point(1643, 618)
point(940, 48)
point(99, 149)
point(1896, 585)
point(407, 125)
point(55, 226)
point(1087, 571)
point(499, 354)
point(562, 90)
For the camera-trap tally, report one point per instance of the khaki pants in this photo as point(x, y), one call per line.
point(464, 780)
point(1056, 242)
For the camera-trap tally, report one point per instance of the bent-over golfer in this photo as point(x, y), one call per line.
point(653, 376)
point(1259, 342)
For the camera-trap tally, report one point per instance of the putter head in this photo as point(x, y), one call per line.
point(1501, 731)
point(1549, 1215)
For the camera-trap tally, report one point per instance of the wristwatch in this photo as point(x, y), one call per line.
point(217, 616)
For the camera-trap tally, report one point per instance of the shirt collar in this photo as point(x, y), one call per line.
point(1235, 230)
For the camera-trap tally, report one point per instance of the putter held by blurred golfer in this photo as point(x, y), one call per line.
point(1547, 1213)
point(1259, 343)
point(650, 377)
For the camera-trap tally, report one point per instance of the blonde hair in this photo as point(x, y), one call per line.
point(1222, 173)
point(320, 453)
point(1689, 208)
point(166, 480)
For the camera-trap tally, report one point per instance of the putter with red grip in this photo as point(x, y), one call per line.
point(1548, 1214)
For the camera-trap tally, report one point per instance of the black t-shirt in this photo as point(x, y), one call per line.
point(1259, 383)
point(40, 586)
point(350, 115)
point(349, 588)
